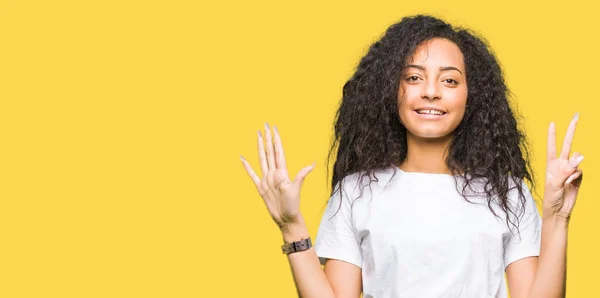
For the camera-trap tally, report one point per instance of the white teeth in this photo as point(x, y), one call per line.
point(430, 112)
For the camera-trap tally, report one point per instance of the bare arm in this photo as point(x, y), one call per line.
point(544, 276)
point(339, 279)
point(550, 277)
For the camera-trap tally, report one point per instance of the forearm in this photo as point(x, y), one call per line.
point(308, 274)
point(550, 277)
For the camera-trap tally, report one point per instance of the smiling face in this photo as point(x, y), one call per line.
point(433, 90)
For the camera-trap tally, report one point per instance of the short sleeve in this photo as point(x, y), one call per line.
point(336, 238)
point(525, 242)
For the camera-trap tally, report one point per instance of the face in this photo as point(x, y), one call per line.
point(433, 90)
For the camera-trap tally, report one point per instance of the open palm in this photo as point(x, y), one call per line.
point(280, 194)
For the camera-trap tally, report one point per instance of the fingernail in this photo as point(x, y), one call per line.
point(267, 126)
point(576, 117)
point(577, 161)
point(259, 134)
point(275, 129)
point(242, 158)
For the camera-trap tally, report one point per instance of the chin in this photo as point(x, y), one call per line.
point(430, 134)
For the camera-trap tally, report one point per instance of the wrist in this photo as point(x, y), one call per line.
point(558, 219)
point(294, 231)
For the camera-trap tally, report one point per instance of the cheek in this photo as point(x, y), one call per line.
point(406, 96)
point(403, 107)
point(458, 107)
point(459, 100)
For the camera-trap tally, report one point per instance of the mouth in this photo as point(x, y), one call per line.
point(430, 112)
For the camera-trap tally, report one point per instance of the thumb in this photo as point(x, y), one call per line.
point(299, 179)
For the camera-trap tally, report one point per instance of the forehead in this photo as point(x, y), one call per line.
point(438, 52)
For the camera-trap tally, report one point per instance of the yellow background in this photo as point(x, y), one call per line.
point(122, 123)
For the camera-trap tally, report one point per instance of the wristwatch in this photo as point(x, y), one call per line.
point(301, 245)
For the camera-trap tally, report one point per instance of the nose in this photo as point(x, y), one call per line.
point(431, 90)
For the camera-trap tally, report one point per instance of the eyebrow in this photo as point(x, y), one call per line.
point(442, 68)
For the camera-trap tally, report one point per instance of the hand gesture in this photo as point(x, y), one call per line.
point(563, 177)
point(281, 196)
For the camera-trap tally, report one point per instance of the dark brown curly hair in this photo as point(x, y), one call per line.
point(488, 144)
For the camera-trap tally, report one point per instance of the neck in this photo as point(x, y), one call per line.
point(426, 155)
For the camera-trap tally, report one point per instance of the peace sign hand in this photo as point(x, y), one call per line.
point(280, 195)
point(563, 177)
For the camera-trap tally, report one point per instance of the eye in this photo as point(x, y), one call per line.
point(412, 78)
point(451, 81)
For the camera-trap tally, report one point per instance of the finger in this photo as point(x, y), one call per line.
point(279, 155)
point(570, 169)
point(577, 181)
point(576, 178)
point(250, 172)
point(299, 179)
point(575, 160)
point(262, 158)
point(566, 149)
point(269, 144)
point(551, 150)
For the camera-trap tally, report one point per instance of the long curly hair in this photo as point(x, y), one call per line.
point(488, 143)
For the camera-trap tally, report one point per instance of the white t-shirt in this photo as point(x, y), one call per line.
point(414, 235)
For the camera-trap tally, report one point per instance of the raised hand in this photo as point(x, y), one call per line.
point(280, 195)
point(563, 177)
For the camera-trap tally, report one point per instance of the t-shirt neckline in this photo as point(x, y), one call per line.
point(426, 174)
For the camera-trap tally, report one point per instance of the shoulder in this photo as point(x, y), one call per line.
point(513, 186)
point(372, 180)
point(517, 193)
point(519, 200)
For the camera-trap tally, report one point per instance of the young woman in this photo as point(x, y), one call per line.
point(429, 188)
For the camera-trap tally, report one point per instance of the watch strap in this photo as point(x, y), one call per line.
point(296, 246)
